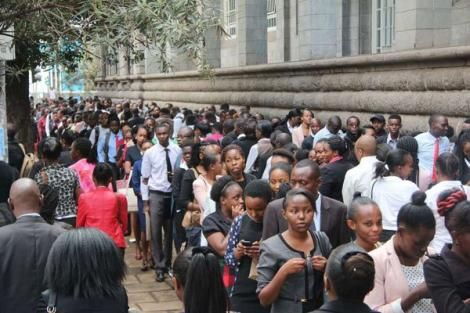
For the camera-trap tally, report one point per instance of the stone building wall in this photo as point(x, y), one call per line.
point(413, 83)
point(323, 54)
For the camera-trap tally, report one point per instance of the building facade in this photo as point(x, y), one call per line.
point(388, 56)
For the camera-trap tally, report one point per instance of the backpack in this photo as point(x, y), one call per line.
point(28, 162)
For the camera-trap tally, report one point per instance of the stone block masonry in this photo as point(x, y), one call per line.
point(414, 83)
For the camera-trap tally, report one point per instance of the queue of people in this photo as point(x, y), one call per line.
point(265, 215)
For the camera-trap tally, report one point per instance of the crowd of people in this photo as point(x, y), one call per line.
point(292, 214)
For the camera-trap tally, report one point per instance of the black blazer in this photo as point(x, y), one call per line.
point(72, 305)
point(283, 128)
point(332, 178)
point(23, 256)
point(448, 280)
point(344, 306)
point(332, 220)
point(245, 143)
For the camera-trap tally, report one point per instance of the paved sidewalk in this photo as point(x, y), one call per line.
point(145, 294)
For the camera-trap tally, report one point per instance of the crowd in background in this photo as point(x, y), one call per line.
point(266, 214)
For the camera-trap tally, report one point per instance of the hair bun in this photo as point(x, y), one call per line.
point(357, 194)
point(418, 198)
point(447, 200)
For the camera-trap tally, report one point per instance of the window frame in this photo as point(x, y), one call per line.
point(383, 25)
point(230, 18)
point(271, 12)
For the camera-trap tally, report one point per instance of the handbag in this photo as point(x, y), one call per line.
point(123, 188)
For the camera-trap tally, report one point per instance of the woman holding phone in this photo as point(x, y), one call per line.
point(243, 248)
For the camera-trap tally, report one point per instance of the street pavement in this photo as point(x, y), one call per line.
point(145, 294)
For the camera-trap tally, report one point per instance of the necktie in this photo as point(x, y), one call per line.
point(436, 155)
point(169, 170)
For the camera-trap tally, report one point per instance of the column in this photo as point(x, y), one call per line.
point(122, 63)
point(365, 27)
point(317, 29)
point(283, 29)
point(350, 34)
point(139, 65)
point(152, 62)
point(212, 38)
point(252, 32)
point(422, 24)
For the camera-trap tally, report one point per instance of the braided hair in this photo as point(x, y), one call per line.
point(453, 205)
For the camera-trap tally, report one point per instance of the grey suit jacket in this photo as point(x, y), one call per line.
point(332, 221)
point(24, 249)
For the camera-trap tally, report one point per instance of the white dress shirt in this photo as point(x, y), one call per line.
point(252, 156)
point(358, 178)
point(154, 166)
point(317, 215)
point(426, 143)
point(392, 142)
point(267, 169)
point(391, 193)
point(442, 235)
point(324, 133)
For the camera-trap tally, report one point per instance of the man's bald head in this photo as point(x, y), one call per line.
point(365, 146)
point(184, 135)
point(25, 197)
point(282, 139)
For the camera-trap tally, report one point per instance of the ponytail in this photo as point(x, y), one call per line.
point(381, 170)
point(204, 291)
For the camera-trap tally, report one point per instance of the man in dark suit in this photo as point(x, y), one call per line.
point(330, 214)
point(393, 127)
point(291, 121)
point(25, 247)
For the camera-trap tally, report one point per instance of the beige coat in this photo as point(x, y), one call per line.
point(390, 281)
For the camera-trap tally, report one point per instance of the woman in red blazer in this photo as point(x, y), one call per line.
point(104, 209)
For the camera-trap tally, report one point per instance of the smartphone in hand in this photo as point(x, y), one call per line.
point(246, 243)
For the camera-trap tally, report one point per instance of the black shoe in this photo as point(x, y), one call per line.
point(160, 277)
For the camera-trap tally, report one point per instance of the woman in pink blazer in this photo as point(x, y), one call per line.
point(399, 279)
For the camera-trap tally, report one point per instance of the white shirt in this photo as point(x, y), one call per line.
point(358, 178)
point(252, 156)
point(391, 193)
point(290, 128)
point(267, 169)
point(392, 142)
point(254, 153)
point(426, 143)
point(324, 133)
point(442, 235)
point(29, 214)
point(154, 166)
point(317, 215)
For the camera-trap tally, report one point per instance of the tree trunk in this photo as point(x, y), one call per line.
point(17, 99)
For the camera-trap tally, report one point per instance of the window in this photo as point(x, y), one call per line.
point(272, 15)
point(383, 25)
point(231, 17)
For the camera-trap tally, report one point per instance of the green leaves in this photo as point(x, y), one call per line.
point(61, 30)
